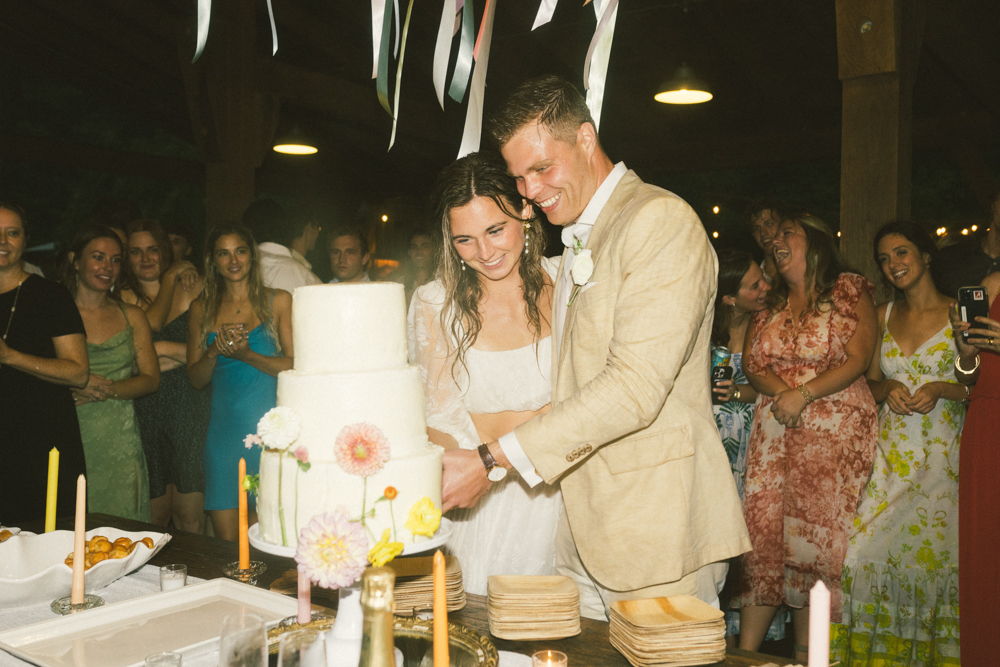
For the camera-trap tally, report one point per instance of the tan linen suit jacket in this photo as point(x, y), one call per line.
point(631, 438)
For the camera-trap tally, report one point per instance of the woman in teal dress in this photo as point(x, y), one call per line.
point(900, 577)
point(239, 339)
point(123, 366)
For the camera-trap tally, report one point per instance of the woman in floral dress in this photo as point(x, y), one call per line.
point(900, 579)
point(814, 432)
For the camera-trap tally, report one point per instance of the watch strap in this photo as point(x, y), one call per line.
point(488, 461)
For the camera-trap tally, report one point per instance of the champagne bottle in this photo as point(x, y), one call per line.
point(377, 649)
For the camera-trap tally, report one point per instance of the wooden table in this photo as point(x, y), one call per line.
point(205, 557)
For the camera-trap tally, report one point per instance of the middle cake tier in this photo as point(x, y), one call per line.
point(391, 400)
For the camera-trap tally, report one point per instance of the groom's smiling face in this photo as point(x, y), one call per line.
point(554, 174)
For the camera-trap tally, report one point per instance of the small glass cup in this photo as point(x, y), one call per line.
point(173, 577)
point(549, 659)
point(165, 659)
point(243, 641)
point(247, 576)
point(302, 648)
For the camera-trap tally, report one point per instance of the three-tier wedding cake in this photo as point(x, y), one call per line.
point(361, 412)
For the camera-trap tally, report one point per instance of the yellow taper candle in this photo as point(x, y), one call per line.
point(440, 613)
point(79, 539)
point(52, 491)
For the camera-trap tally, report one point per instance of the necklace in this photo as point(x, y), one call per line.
point(13, 308)
point(508, 291)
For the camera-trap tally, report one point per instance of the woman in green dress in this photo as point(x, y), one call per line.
point(123, 365)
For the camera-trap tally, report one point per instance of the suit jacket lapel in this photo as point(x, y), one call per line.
point(606, 219)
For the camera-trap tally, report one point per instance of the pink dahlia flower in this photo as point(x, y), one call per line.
point(362, 449)
point(332, 551)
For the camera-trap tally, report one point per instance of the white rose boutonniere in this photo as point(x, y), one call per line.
point(583, 267)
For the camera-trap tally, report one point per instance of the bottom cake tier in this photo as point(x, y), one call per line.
point(384, 499)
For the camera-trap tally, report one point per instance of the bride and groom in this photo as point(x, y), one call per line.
point(585, 374)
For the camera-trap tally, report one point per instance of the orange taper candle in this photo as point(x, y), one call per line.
point(244, 539)
point(79, 540)
point(440, 613)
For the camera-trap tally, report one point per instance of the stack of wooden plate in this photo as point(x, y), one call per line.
point(678, 630)
point(533, 607)
point(414, 590)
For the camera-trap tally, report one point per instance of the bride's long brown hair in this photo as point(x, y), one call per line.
point(481, 175)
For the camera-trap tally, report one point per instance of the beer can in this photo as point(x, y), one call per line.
point(721, 356)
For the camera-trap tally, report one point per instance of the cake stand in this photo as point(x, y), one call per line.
point(343, 642)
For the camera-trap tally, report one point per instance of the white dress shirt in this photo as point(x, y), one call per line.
point(280, 270)
point(298, 257)
point(564, 288)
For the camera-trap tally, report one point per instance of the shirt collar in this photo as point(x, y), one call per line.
point(274, 249)
point(581, 228)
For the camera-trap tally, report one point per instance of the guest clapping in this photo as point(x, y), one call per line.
point(123, 366)
point(806, 463)
point(43, 352)
point(173, 421)
point(239, 339)
point(900, 579)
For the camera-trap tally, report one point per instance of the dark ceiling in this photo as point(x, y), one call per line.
point(772, 66)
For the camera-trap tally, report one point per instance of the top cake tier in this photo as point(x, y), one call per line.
point(349, 328)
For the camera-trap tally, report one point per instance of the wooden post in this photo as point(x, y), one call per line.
point(232, 121)
point(878, 46)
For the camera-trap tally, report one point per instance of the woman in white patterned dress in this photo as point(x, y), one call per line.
point(481, 335)
point(900, 579)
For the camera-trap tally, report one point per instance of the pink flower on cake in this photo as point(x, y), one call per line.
point(362, 449)
point(251, 440)
point(301, 453)
point(279, 427)
point(332, 550)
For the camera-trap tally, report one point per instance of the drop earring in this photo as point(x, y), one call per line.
point(463, 264)
point(527, 236)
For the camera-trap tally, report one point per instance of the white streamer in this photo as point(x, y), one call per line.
point(378, 10)
point(274, 29)
point(544, 14)
point(204, 16)
point(472, 135)
point(442, 47)
point(596, 67)
point(395, 50)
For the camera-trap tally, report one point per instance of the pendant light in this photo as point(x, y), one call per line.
point(683, 88)
point(294, 142)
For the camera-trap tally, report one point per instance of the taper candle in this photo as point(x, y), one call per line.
point(819, 626)
point(52, 491)
point(79, 540)
point(440, 613)
point(244, 538)
point(305, 592)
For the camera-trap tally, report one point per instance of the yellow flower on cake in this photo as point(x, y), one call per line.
point(384, 551)
point(424, 518)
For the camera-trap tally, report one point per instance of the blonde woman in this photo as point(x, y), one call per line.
point(239, 339)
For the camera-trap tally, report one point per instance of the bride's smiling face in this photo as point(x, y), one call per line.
point(488, 240)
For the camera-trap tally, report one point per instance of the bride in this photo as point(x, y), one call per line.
point(481, 335)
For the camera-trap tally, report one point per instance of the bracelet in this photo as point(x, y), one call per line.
point(806, 394)
point(736, 394)
point(958, 366)
point(968, 392)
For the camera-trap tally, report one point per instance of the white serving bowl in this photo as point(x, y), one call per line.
point(33, 571)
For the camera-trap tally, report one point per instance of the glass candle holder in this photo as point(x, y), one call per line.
point(65, 606)
point(165, 659)
point(549, 659)
point(173, 577)
point(247, 576)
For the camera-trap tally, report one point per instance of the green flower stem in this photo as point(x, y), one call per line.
point(297, 500)
point(281, 513)
point(393, 517)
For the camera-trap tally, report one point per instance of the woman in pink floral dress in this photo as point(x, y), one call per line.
point(815, 428)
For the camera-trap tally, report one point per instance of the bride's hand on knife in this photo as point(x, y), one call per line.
point(463, 480)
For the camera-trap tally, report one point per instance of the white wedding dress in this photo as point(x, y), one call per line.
point(512, 529)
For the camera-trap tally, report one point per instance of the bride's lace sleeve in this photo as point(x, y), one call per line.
point(430, 349)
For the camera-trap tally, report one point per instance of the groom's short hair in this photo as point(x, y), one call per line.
point(551, 100)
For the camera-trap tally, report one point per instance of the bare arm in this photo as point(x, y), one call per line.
point(147, 379)
point(200, 361)
point(283, 324)
point(168, 349)
point(159, 310)
point(71, 367)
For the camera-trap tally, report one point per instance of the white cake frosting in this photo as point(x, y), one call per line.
point(350, 370)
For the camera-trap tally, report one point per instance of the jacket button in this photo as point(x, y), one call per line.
point(587, 449)
point(569, 457)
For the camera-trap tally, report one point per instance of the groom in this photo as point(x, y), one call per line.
point(650, 504)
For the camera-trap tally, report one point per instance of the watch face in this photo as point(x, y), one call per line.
point(496, 473)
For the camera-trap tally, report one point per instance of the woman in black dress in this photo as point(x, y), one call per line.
point(43, 353)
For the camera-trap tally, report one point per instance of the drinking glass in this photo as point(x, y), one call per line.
point(173, 576)
point(243, 642)
point(302, 648)
point(165, 659)
point(549, 659)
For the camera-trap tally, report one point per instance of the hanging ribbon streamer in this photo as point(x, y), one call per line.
point(274, 29)
point(463, 65)
point(595, 69)
point(442, 47)
point(382, 82)
point(399, 77)
point(378, 10)
point(204, 15)
point(473, 133)
point(395, 50)
point(544, 14)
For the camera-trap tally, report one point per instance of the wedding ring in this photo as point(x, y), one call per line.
point(230, 343)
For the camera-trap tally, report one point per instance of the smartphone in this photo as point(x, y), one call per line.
point(972, 303)
point(719, 374)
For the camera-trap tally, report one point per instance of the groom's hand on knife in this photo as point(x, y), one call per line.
point(463, 480)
